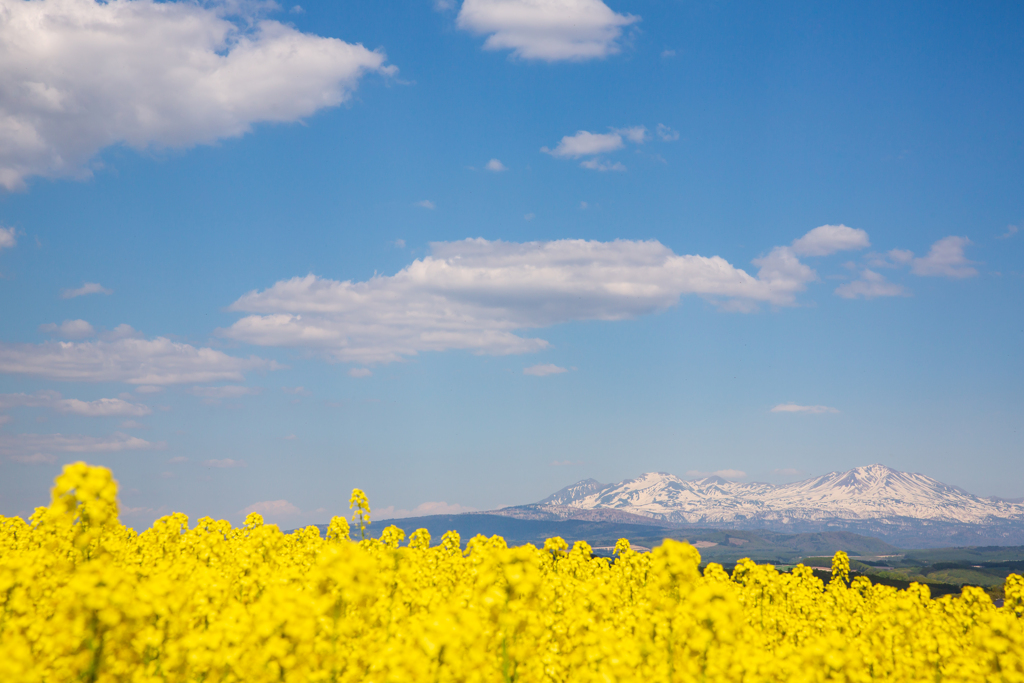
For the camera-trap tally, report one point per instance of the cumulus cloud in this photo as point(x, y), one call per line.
point(585, 143)
point(945, 259)
point(224, 463)
point(8, 238)
point(828, 239)
point(87, 288)
point(794, 408)
point(79, 75)
point(496, 166)
point(869, 286)
point(14, 445)
point(543, 370)
point(549, 30)
point(134, 361)
point(103, 407)
point(70, 329)
point(474, 294)
point(423, 510)
point(272, 508)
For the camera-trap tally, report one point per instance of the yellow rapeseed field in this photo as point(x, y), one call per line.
point(84, 598)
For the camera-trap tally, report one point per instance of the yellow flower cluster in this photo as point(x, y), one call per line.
point(83, 598)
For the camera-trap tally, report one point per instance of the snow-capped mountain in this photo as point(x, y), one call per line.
point(863, 493)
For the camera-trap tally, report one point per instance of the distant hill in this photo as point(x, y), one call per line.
point(715, 545)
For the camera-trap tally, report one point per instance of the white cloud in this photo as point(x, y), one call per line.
point(585, 143)
point(543, 370)
point(70, 329)
point(828, 239)
point(946, 258)
point(724, 474)
point(444, 5)
point(8, 238)
point(148, 389)
point(549, 30)
point(272, 508)
point(584, 206)
point(666, 133)
point(794, 408)
point(87, 288)
point(225, 392)
point(636, 134)
point(360, 372)
point(224, 463)
point(177, 460)
point(135, 361)
point(1011, 230)
point(80, 75)
point(473, 294)
point(529, 216)
point(132, 424)
point(24, 444)
point(399, 243)
point(426, 204)
point(869, 286)
point(423, 510)
point(35, 459)
point(601, 165)
point(103, 407)
point(296, 391)
point(496, 166)
point(668, 53)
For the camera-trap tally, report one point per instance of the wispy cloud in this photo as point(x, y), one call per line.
point(495, 166)
point(426, 204)
point(134, 361)
point(795, 408)
point(724, 474)
point(224, 463)
point(87, 288)
point(666, 134)
point(360, 372)
point(543, 370)
point(870, 285)
point(1011, 230)
point(8, 238)
point(828, 239)
point(21, 445)
point(103, 407)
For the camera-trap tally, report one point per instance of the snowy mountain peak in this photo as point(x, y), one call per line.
point(873, 492)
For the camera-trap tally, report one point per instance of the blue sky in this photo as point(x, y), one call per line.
point(463, 254)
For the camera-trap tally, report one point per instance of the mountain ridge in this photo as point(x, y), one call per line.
point(875, 500)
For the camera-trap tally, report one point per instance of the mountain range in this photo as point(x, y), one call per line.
point(910, 509)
